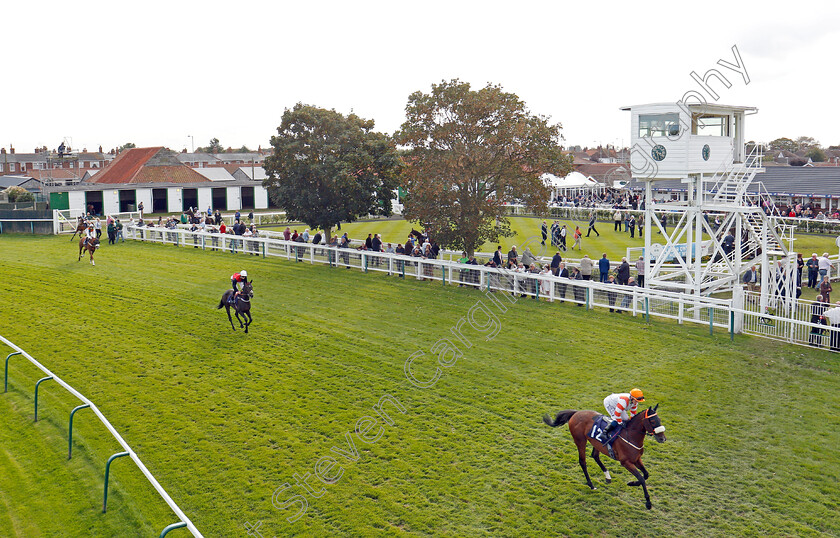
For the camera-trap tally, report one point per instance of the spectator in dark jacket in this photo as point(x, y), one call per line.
point(555, 264)
point(624, 272)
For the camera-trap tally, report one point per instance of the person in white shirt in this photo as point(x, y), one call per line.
point(824, 265)
point(832, 317)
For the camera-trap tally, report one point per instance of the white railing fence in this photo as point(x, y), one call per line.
point(683, 308)
point(152, 480)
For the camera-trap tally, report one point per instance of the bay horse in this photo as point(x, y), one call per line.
point(90, 247)
point(627, 447)
point(241, 305)
point(81, 226)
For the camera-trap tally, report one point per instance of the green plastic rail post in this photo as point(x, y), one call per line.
point(366, 262)
point(36, 393)
point(443, 274)
point(70, 432)
point(711, 321)
point(731, 326)
point(6, 374)
point(107, 472)
point(587, 297)
point(178, 525)
point(647, 310)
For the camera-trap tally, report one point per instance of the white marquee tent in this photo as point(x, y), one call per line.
point(574, 183)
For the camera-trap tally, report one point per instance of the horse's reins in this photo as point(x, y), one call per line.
point(647, 416)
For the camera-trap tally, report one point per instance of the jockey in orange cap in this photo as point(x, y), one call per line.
point(622, 407)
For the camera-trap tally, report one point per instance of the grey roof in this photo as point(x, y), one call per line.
point(817, 181)
point(23, 157)
point(247, 157)
point(215, 173)
point(196, 158)
point(13, 181)
point(245, 172)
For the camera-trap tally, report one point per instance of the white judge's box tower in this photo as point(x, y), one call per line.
point(703, 146)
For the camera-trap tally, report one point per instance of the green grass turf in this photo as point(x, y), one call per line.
point(223, 419)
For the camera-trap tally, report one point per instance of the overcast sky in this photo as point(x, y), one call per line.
point(154, 73)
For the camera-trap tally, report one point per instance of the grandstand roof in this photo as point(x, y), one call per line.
point(780, 181)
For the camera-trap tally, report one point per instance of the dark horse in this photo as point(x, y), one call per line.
point(627, 447)
point(90, 247)
point(420, 236)
point(241, 305)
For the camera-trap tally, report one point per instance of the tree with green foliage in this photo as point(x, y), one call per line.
point(129, 145)
point(470, 153)
point(782, 144)
point(214, 147)
point(816, 154)
point(806, 142)
point(19, 194)
point(329, 168)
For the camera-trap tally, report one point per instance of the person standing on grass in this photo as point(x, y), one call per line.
point(562, 234)
point(578, 234)
point(623, 272)
point(817, 310)
point(616, 222)
point(586, 267)
point(592, 225)
point(640, 271)
point(112, 233)
point(603, 267)
point(832, 317)
point(555, 264)
point(544, 232)
point(825, 289)
point(512, 258)
point(632, 225)
point(813, 265)
point(824, 265)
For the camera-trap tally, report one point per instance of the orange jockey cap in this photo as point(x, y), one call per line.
point(637, 395)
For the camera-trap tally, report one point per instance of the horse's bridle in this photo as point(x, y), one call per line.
point(656, 430)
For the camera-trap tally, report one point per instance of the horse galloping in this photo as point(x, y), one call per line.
point(241, 305)
point(89, 247)
point(80, 229)
point(627, 447)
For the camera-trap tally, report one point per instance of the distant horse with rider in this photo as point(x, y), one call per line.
point(88, 246)
point(627, 445)
point(81, 226)
point(241, 304)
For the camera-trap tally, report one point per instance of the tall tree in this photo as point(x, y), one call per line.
point(816, 154)
point(782, 144)
point(327, 168)
point(470, 153)
point(806, 142)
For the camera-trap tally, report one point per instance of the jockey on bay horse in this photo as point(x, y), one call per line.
point(627, 446)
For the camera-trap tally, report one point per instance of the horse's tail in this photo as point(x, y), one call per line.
point(562, 418)
point(221, 303)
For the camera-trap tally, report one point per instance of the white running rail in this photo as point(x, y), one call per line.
point(116, 435)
